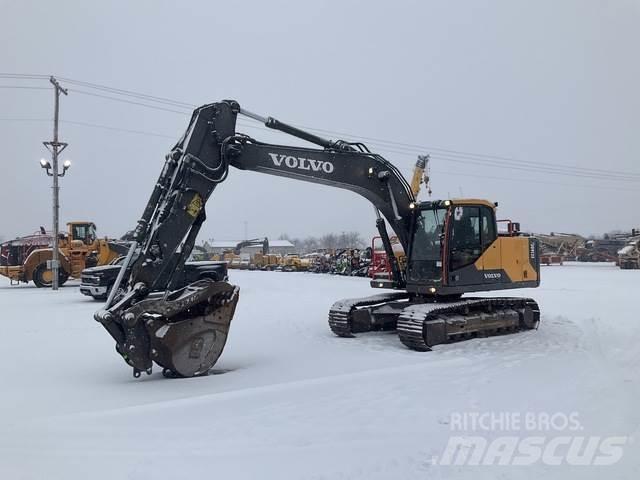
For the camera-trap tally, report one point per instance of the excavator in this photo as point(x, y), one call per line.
point(246, 263)
point(453, 248)
point(254, 242)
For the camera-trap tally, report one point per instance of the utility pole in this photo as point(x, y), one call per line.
point(55, 147)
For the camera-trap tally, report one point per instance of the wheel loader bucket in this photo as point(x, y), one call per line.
point(183, 332)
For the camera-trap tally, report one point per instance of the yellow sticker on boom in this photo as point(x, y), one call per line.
point(195, 205)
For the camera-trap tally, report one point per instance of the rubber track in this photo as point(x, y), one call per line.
point(341, 311)
point(411, 322)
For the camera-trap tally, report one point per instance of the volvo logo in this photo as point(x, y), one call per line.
point(301, 163)
point(492, 276)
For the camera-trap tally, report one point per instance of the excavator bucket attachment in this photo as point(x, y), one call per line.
point(183, 332)
point(192, 341)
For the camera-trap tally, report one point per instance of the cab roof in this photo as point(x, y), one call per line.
point(82, 223)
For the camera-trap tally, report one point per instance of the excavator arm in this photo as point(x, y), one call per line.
point(184, 329)
point(367, 174)
point(263, 242)
point(340, 164)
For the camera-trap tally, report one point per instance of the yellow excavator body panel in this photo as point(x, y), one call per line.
point(512, 255)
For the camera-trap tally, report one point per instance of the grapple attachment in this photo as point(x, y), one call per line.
point(183, 332)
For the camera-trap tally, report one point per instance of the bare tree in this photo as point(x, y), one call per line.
point(297, 243)
point(350, 240)
point(330, 241)
point(310, 244)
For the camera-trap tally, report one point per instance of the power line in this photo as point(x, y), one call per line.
point(9, 119)
point(552, 169)
point(489, 161)
point(91, 125)
point(25, 76)
point(117, 129)
point(383, 149)
point(127, 101)
point(26, 87)
point(616, 176)
point(449, 154)
point(526, 168)
point(141, 132)
point(104, 88)
point(461, 154)
point(130, 93)
point(540, 182)
point(457, 156)
point(404, 167)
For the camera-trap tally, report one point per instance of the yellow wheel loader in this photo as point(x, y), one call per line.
point(29, 258)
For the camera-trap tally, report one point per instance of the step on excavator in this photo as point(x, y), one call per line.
point(453, 248)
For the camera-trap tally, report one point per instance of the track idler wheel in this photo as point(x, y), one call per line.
point(529, 316)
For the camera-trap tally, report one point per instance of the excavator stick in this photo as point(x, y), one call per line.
point(183, 332)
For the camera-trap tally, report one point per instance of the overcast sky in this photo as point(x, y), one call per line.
point(549, 83)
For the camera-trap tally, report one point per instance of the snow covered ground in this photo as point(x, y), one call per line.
point(290, 400)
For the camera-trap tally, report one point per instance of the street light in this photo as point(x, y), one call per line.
point(52, 171)
point(65, 166)
point(55, 147)
point(44, 163)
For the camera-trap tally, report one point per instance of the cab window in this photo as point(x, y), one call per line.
point(466, 246)
point(425, 256)
point(489, 233)
point(85, 232)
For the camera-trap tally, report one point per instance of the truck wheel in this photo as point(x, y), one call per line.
point(43, 276)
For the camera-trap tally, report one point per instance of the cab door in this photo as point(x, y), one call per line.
point(491, 259)
point(465, 246)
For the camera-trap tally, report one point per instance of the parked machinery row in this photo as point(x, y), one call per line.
point(260, 260)
point(344, 261)
point(620, 248)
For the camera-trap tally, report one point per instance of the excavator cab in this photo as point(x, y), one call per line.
point(456, 248)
